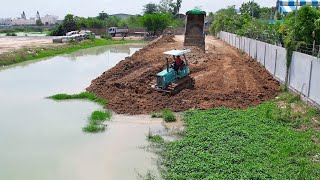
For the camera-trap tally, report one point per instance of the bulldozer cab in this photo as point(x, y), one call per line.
point(168, 76)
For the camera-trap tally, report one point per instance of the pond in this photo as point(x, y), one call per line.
point(41, 139)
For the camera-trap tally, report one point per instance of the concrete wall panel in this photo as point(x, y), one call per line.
point(253, 48)
point(300, 72)
point(281, 65)
point(261, 51)
point(270, 58)
point(315, 81)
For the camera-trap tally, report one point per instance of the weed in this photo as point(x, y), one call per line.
point(97, 116)
point(156, 115)
point(93, 128)
point(168, 116)
point(83, 95)
point(96, 119)
point(241, 144)
point(106, 36)
point(154, 138)
point(95, 122)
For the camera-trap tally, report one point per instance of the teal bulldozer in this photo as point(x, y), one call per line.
point(173, 81)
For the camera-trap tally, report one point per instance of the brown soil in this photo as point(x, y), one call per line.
point(223, 77)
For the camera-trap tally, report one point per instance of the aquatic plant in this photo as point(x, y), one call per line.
point(84, 95)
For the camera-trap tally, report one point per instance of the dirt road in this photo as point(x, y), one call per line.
point(8, 44)
point(223, 77)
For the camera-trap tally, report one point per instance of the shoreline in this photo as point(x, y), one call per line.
point(33, 53)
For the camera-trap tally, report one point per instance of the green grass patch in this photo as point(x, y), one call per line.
point(98, 116)
point(96, 119)
point(167, 115)
point(154, 138)
point(84, 95)
point(95, 122)
point(43, 52)
point(241, 144)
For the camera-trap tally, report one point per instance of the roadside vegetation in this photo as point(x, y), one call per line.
point(167, 115)
point(43, 52)
point(97, 118)
point(278, 139)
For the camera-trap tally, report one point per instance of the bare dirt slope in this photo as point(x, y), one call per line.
point(223, 77)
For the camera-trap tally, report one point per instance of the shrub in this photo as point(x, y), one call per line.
point(11, 34)
point(168, 116)
point(106, 36)
point(91, 37)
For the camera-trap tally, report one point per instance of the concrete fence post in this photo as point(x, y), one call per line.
point(310, 78)
point(275, 63)
point(264, 56)
point(249, 47)
point(256, 55)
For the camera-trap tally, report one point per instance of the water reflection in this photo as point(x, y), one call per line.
point(41, 139)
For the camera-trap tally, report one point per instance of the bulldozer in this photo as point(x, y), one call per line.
point(169, 80)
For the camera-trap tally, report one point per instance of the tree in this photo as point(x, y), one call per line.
point(248, 7)
point(155, 23)
point(176, 7)
point(103, 16)
point(39, 22)
point(150, 8)
point(113, 21)
point(267, 13)
point(299, 29)
point(69, 23)
point(165, 6)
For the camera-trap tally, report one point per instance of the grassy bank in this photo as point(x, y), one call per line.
point(52, 50)
point(276, 140)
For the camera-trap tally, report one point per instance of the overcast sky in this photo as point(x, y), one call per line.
point(85, 8)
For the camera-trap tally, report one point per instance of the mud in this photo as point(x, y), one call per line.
point(223, 77)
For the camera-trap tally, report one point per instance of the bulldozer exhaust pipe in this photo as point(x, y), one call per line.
point(167, 64)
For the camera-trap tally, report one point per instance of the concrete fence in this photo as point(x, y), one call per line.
point(304, 71)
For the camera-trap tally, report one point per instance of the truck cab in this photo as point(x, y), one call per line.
point(113, 31)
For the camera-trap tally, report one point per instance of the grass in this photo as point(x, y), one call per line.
point(245, 144)
point(154, 138)
point(43, 52)
point(167, 115)
point(96, 119)
point(84, 95)
point(95, 122)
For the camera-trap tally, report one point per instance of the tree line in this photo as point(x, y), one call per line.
point(296, 29)
point(155, 18)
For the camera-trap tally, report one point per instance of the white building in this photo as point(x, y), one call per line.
point(46, 20)
point(5, 21)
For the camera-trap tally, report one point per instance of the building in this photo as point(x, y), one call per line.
point(5, 21)
point(22, 20)
point(286, 6)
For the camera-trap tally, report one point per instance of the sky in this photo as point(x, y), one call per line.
point(91, 8)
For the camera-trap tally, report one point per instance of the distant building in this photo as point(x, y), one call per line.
point(5, 21)
point(286, 6)
point(22, 20)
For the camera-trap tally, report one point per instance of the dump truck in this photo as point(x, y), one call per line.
point(113, 31)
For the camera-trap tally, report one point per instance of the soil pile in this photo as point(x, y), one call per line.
point(223, 77)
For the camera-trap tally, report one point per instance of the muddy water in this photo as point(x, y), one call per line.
point(41, 139)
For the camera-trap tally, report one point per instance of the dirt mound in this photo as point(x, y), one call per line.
point(223, 77)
